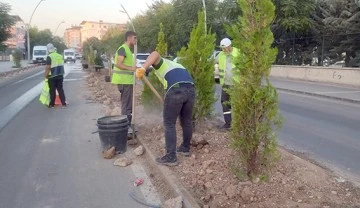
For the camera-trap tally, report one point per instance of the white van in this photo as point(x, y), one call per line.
point(69, 55)
point(39, 54)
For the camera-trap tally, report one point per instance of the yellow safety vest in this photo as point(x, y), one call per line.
point(121, 76)
point(57, 65)
point(165, 67)
point(222, 63)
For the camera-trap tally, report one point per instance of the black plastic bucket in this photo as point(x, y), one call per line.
point(113, 131)
point(106, 120)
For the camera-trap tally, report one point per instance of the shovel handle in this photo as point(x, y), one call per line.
point(152, 89)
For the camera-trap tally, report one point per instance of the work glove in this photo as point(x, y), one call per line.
point(140, 72)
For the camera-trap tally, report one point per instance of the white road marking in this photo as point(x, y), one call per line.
point(34, 75)
point(68, 80)
point(11, 110)
point(49, 140)
point(337, 92)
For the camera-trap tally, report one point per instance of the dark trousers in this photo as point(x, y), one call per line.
point(225, 102)
point(56, 84)
point(126, 91)
point(178, 102)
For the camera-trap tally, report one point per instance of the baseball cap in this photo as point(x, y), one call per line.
point(50, 47)
point(226, 42)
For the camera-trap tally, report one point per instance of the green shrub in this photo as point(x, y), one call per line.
point(17, 58)
point(98, 61)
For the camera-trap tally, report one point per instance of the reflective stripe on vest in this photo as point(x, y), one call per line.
point(222, 63)
point(121, 76)
point(123, 72)
point(57, 65)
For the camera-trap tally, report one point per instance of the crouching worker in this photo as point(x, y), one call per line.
point(179, 101)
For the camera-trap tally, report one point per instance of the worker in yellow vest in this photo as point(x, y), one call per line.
point(179, 102)
point(123, 73)
point(54, 72)
point(226, 60)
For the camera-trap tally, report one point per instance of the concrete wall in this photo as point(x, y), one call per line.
point(346, 76)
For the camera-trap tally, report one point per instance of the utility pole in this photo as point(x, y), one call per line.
point(205, 15)
point(28, 28)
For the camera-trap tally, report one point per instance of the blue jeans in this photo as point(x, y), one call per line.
point(179, 101)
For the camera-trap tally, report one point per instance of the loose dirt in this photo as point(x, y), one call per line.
point(207, 173)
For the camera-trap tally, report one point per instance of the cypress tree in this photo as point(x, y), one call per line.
point(254, 100)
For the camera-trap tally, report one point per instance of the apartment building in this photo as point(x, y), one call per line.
point(97, 29)
point(72, 37)
point(18, 31)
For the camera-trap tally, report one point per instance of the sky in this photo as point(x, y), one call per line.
point(52, 12)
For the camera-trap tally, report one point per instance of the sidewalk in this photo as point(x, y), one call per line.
point(6, 66)
point(326, 90)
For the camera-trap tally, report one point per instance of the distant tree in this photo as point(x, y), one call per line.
point(147, 24)
point(6, 22)
point(292, 27)
point(39, 37)
point(339, 21)
point(161, 47)
point(112, 40)
point(89, 46)
point(197, 58)
point(59, 44)
point(226, 12)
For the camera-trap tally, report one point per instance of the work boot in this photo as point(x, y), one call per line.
point(225, 127)
point(183, 151)
point(168, 160)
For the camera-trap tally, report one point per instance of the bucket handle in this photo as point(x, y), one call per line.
point(97, 131)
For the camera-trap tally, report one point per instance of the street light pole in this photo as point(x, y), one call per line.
point(204, 14)
point(124, 11)
point(58, 27)
point(28, 29)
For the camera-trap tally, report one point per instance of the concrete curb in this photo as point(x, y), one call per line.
point(188, 200)
point(319, 95)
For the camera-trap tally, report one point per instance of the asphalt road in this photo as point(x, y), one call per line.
point(325, 130)
point(49, 158)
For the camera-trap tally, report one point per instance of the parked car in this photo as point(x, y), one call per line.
point(141, 58)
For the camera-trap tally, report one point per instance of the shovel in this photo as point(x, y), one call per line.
point(147, 82)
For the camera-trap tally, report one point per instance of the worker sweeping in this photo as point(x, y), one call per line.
point(179, 101)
